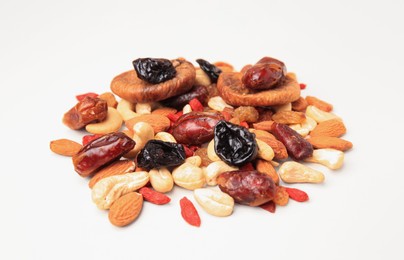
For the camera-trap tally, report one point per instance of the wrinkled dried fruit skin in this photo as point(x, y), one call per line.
point(178, 102)
point(100, 152)
point(195, 128)
point(298, 147)
point(250, 188)
point(266, 74)
point(89, 110)
point(234, 144)
point(158, 153)
point(210, 69)
point(154, 71)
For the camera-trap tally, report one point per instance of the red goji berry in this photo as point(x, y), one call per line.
point(189, 212)
point(296, 194)
point(188, 151)
point(88, 138)
point(226, 115)
point(245, 124)
point(247, 167)
point(269, 206)
point(89, 94)
point(196, 105)
point(302, 86)
point(153, 196)
point(174, 117)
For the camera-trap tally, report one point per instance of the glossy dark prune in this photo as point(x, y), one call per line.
point(157, 153)
point(234, 144)
point(250, 188)
point(154, 71)
point(100, 152)
point(211, 70)
point(178, 102)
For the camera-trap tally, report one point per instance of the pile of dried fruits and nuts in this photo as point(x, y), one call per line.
point(229, 136)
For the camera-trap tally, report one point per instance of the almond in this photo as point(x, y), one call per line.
point(164, 111)
point(332, 127)
point(126, 209)
point(267, 168)
point(288, 117)
point(263, 125)
point(262, 134)
point(159, 123)
point(320, 104)
point(320, 142)
point(65, 147)
point(299, 105)
point(116, 168)
point(278, 147)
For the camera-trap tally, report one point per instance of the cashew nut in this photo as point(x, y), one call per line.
point(112, 123)
point(309, 123)
point(165, 136)
point(300, 130)
point(294, 172)
point(211, 152)
point(217, 103)
point(320, 115)
point(126, 109)
point(186, 109)
point(214, 169)
point(194, 160)
point(328, 157)
point(188, 176)
point(109, 189)
point(264, 151)
point(143, 132)
point(143, 108)
point(161, 179)
point(214, 202)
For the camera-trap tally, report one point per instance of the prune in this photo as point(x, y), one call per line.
point(195, 128)
point(250, 188)
point(178, 102)
point(234, 144)
point(210, 69)
point(154, 71)
point(298, 148)
point(100, 152)
point(266, 74)
point(89, 110)
point(157, 153)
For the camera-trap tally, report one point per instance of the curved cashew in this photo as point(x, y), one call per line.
point(194, 160)
point(300, 130)
point(112, 123)
point(109, 189)
point(188, 176)
point(126, 109)
point(217, 103)
point(320, 115)
point(309, 123)
point(264, 151)
point(143, 132)
point(328, 157)
point(214, 169)
point(211, 152)
point(165, 136)
point(294, 172)
point(214, 202)
point(161, 179)
point(143, 108)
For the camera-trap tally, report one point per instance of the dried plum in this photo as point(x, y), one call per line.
point(158, 153)
point(154, 71)
point(234, 144)
point(210, 69)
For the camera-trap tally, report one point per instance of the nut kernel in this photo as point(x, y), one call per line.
point(188, 176)
point(112, 123)
point(214, 202)
point(328, 157)
point(320, 115)
point(293, 172)
point(264, 150)
point(217, 103)
point(126, 109)
point(161, 180)
point(214, 169)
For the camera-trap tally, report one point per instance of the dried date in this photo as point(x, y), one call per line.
point(266, 74)
point(88, 110)
point(154, 71)
point(178, 102)
point(250, 188)
point(195, 128)
point(100, 152)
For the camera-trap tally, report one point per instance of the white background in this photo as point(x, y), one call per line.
point(349, 53)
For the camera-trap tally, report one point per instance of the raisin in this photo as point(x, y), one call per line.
point(246, 113)
point(250, 188)
point(266, 74)
point(234, 144)
point(154, 71)
point(100, 152)
point(157, 153)
point(203, 153)
point(210, 69)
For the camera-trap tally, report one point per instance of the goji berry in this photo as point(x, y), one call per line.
point(189, 212)
point(153, 196)
point(226, 115)
point(269, 206)
point(247, 167)
point(245, 124)
point(88, 138)
point(89, 94)
point(296, 194)
point(281, 197)
point(196, 105)
point(188, 151)
point(302, 86)
point(174, 117)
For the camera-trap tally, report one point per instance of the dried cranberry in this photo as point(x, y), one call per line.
point(154, 71)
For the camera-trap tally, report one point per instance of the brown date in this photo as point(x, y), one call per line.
point(298, 148)
point(195, 128)
point(266, 74)
point(250, 188)
point(100, 152)
point(89, 110)
point(178, 102)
